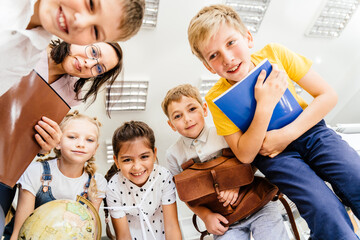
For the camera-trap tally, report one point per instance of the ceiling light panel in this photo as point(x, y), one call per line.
point(128, 96)
point(333, 18)
point(151, 13)
point(109, 151)
point(205, 86)
point(251, 12)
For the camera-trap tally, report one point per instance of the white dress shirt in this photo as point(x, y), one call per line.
point(19, 48)
point(206, 146)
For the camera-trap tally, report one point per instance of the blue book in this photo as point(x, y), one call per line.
point(238, 102)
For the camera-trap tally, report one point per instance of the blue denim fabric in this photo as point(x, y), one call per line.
point(7, 194)
point(300, 171)
point(43, 196)
point(265, 224)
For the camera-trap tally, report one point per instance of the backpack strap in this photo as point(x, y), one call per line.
point(287, 207)
point(203, 233)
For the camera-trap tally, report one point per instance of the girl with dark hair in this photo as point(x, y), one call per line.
point(140, 194)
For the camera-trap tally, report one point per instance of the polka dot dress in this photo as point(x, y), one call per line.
point(161, 191)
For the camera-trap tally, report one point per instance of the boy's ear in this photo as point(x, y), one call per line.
point(250, 39)
point(208, 67)
point(172, 126)
point(205, 109)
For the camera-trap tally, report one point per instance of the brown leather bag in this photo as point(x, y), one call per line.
point(201, 183)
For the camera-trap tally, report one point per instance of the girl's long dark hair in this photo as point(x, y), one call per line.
point(61, 49)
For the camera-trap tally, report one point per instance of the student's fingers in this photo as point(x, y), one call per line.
point(225, 196)
point(274, 73)
point(261, 78)
point(229, 198)
point(221, 228)
point(235, 197)
point(221, 196)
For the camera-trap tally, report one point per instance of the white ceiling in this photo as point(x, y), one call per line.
point(163, 57)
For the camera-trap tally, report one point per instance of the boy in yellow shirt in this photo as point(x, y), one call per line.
point(299, 157)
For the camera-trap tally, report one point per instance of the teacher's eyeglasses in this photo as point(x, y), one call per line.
point(93, 52)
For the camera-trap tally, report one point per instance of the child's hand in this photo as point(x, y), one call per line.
point(274, 143)
point(229, 196)
point(49, 134)
point(268, 93)
point(213, 223)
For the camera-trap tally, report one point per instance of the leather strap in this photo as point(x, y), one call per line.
point(290, 215)
point(187, 164)
point(215, 181)
point(280, 196)
point(203, 233)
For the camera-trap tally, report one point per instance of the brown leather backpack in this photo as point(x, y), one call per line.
point(201, 183)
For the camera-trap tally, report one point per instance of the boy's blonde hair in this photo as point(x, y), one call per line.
point(207, 23)
point(175, 94)
point(131, 21)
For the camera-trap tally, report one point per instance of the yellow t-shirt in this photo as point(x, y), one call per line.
point(295, 65)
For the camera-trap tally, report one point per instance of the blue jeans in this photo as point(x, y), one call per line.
point(300, 171)
point(265, 224)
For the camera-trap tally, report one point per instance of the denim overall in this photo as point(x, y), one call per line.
point(44, 194)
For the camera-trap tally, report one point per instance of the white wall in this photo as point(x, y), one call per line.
point(163, 57)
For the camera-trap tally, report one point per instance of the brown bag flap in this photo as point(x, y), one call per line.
point(192, 184)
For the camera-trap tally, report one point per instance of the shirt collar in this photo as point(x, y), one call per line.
point(202, 137)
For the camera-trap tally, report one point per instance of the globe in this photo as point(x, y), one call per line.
point(62, 220)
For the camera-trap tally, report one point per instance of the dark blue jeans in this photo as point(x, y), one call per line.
point(6, 198)
point(300, 171)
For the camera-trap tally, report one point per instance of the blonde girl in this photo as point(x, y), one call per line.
point(70, 173)
point(140, 194)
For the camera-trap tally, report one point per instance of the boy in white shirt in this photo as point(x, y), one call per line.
point(186, 114)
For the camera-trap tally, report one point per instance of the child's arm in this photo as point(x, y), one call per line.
point(25, 206)
point(213, 221)
point(325, 99)
point(48, 134)
point(121, 227)
point(171, 223)
point(247, 145)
